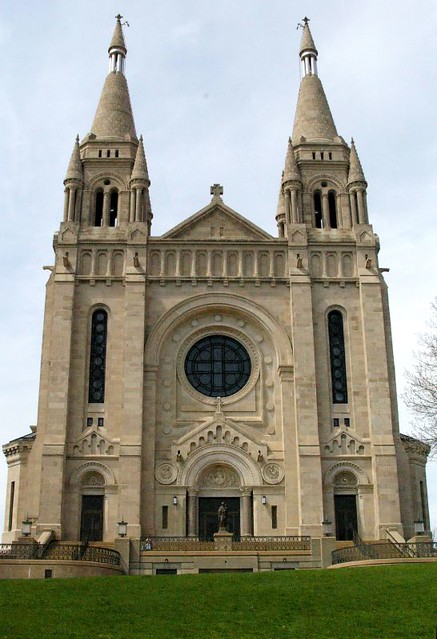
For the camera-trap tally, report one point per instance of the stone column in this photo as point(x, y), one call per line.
point(193, 264)
point(287, 206)
point(192, 512)
point(325, 211)
point(294, 207)
point(361, 208)
point(178, 264)
point(354, 208)
point(106, 203)
point(240, 264)
point(66, 204)
point(246, 512)
point(132, 206)
point(71, 195)
point(78, 205)
point(138, 201)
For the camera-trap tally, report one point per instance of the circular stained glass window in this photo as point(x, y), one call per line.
point(218, 366)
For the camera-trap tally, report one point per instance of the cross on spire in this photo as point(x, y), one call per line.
point(216, 190)
point(305, 23)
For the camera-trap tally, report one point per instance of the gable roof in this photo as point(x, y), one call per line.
point(217, 221)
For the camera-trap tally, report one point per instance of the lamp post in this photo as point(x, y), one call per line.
point(26, 527)
point(122, 528)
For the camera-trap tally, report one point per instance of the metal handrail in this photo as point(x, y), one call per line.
point(59, 551)
point(265, 543)
point(385, 550)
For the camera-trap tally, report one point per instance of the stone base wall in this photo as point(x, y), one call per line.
point(36, 569)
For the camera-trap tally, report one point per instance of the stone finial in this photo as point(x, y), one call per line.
point(216, 191)
point(307, 42)
point(117, 41)
point(75, 170)
point(291, 170)
point(140, 171)
point(356, 173)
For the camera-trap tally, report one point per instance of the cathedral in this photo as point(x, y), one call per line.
point(216, 366)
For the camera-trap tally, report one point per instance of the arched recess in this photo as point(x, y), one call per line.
point(211, 302)
point(215, 473)
point(243, 465)
point(78, 474)
point(346, 487)
point(91, 510)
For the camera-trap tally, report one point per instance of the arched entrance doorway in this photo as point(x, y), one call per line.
point(217, 484)
point(345, 505)
point(92, 507)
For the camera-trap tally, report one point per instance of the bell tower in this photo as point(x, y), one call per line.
point(343, 361)
point(94, 327)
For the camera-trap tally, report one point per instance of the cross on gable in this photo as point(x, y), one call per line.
point(216, 190)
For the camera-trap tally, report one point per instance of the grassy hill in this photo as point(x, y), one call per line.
point(353, 603)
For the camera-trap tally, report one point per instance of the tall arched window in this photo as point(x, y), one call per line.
point(99, 330)
point(98, 217)
point(332, 206)
point(318, 218)
point(113, 208)
point(337, 357)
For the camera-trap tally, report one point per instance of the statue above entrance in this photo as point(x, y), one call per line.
point(222, 515)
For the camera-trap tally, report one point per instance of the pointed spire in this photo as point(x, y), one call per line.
point(291, 170)
point(307, 42)
point(356, 173)
point(117, 41)
point(75, 170)
point(140, 172)
point(313, 119)
point(114, 118)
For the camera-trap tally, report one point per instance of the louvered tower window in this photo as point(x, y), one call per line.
point(337, 357)
point(99, 329)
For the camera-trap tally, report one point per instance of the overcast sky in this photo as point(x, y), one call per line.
point(213, 88)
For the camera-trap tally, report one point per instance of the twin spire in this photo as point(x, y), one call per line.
point(313, 123)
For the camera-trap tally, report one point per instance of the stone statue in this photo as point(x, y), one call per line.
point(222, 514)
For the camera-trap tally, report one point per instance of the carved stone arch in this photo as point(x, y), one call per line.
point(343, 467)
point(97, 181)
point(237, 461)
point(190, 308)
point(79, 473)
point(219, 476)
point(311, 184)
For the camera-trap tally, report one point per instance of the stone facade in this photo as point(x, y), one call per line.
point(156, 446)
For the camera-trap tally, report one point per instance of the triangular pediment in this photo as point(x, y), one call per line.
point(93, 443)
point(222, 431)
point(345, 444)
point(217, 222)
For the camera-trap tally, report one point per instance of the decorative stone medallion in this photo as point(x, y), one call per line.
point(273, 473)
point(166, 473)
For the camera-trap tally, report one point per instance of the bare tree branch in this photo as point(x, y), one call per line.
point(420, 394)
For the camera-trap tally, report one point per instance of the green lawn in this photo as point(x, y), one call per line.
point(353, 603)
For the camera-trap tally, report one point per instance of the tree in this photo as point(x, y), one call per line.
point(421, 392)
